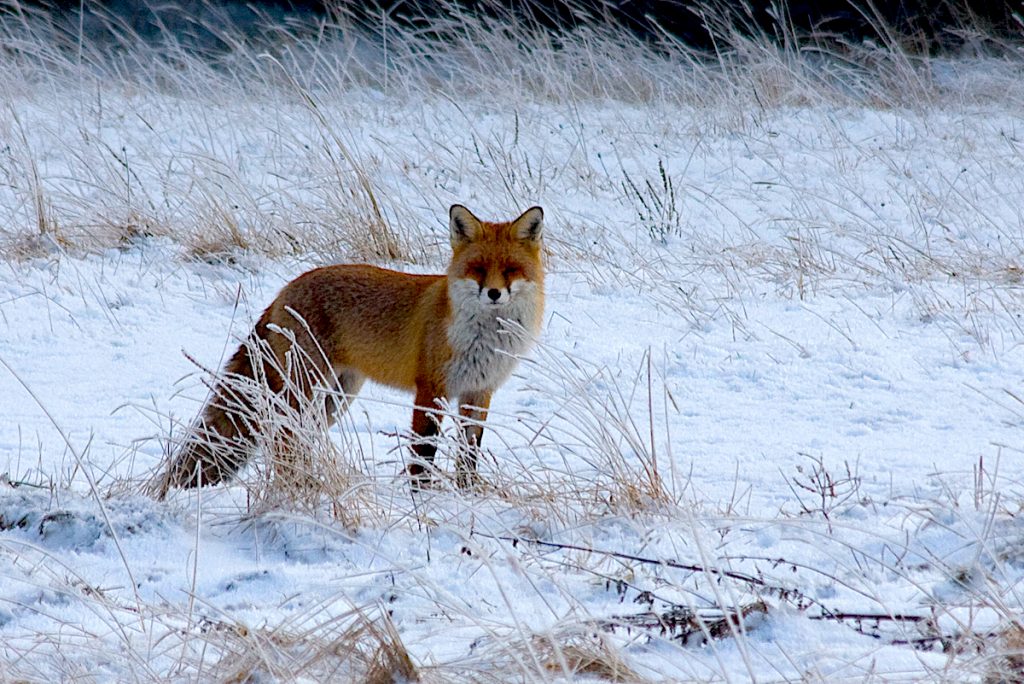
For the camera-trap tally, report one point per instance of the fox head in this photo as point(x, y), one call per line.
point(496, 264)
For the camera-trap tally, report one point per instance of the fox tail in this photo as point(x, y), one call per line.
point(221, 440)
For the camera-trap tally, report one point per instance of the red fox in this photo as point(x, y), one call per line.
point(440, 336)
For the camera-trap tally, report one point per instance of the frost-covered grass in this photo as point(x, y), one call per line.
point(780, 376)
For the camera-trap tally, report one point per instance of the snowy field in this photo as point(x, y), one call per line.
point(771, 429)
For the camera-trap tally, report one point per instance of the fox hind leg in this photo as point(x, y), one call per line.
point(337, 401)
point(313, 388)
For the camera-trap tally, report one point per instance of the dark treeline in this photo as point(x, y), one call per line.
point(921, 25)
point(931, 25)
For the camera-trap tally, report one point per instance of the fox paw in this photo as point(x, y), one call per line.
point(469, 480)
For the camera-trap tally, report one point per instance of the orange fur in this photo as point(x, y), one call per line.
point(440, 336)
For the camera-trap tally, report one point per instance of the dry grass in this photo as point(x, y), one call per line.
point(567, 652)
point(1008, 663)
point(157, 642)
point(603, 421)
point(350, 647)
point(308, 176)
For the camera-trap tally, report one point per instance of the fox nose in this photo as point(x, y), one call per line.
point(494, 293)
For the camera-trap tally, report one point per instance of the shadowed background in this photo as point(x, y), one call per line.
point(923, 26)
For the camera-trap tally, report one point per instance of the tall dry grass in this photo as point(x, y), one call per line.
point(113, 141)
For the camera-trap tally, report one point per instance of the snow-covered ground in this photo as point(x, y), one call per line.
point(780, 373)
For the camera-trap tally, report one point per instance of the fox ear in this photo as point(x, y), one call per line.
point(530, 225)
point(463, 225)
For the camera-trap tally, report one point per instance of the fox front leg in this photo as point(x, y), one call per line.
point(426, 425)
point(472, 406)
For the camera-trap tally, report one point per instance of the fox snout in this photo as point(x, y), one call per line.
point(488, 294)
point(495, 295)
point(498, 294)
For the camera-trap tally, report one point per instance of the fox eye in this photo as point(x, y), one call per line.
point(513, 272)
point(478, 271)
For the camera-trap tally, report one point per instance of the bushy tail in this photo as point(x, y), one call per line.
point(221, 441)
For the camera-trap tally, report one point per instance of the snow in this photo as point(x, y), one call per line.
point(836, 294)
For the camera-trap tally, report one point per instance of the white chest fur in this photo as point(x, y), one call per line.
point(486, 338)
